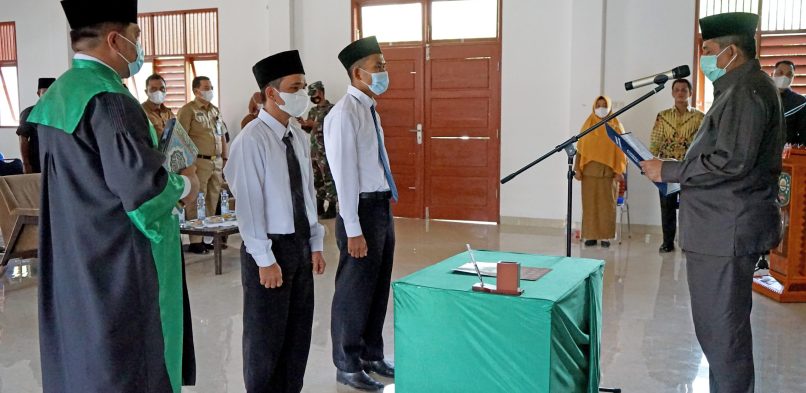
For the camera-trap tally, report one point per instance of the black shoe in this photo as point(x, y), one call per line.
point(590, 243)
point(330, 213)
point(380, 367)
point(359, 380)
point(320, 207)
point(210, 247)
point(605, 244)
point(666, 248)
point(198, 248)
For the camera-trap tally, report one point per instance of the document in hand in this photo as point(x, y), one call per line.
point(637, 152)
point(180, 151)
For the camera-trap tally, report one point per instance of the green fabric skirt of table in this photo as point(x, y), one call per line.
point(451, 339)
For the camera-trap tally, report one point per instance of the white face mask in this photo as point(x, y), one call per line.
point(208, 95)
point(157, 97)
point(601, 112)
point(295, 103)
point(782, 82)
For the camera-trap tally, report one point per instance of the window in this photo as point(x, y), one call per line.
point(9, 89)
point(393, 23)
point(179, 46)
point(781, 36)
point(414, 22)
point(464, 19)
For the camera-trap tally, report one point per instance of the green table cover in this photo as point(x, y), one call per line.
point(451, 339)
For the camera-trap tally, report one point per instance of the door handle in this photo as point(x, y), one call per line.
point(419, 131)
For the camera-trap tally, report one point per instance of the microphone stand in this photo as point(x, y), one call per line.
point(570, 150)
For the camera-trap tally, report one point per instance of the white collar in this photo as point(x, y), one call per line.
point(278, 128)
point(81, 56)
point(361, 96)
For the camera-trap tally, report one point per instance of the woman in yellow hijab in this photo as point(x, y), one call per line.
point(600, 165)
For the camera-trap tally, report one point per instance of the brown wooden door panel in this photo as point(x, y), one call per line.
point(462, 93)
point(401, 109)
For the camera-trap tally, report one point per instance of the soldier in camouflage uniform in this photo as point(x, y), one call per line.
point(323, 180)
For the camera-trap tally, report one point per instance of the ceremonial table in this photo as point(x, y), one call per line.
point(449, 338)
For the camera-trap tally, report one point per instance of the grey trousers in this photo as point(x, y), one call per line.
point(721, 300)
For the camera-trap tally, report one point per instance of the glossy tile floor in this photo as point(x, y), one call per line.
point(648, 337)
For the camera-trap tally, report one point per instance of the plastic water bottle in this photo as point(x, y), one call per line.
point(181, 211)
point(201, 210)
point(224, 202)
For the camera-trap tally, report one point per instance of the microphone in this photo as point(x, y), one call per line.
point(659, 79)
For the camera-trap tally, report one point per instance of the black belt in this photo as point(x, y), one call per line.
point(379, 195)
point(283, 236)
point(203, 157)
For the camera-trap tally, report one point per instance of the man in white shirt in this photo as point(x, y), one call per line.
point(270, 173)
point(365, 231)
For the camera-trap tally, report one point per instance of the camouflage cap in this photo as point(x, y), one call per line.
point(314, 87)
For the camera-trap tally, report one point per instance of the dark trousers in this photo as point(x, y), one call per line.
point(721, 299)
point(362, 288)
point(668, 215)
point(277, 322)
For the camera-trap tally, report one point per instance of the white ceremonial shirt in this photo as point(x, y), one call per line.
point(257, 172)
point(351, 145)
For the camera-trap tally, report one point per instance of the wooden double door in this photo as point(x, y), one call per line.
point(441, 119)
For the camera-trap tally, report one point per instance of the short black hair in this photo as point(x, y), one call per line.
point(683, 80)
point(275, 84)
point(198, 80)
point(746, 43)
point(154, 77)
point(355, 65)
point(88, 37)
point(787, 62)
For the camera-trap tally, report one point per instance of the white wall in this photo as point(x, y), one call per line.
point(42, 47)
point(641, 41)
point(552, 68)
point(535, 92)
point(320, 33)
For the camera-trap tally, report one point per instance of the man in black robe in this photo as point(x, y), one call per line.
point(112, 303)
point(729, 182)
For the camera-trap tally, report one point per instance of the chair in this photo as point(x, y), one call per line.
point(623, 208)
point(19, 216)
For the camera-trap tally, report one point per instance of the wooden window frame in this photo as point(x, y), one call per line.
point(11, 61)
point(189, 57)
point(699, 79)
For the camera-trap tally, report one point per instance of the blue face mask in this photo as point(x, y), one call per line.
point(380, 82)
point(137, 64)
point(709, 67)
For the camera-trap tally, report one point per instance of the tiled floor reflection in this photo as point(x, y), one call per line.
point(648, 338)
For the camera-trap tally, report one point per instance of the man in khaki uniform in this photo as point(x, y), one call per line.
point(204, 125)
point(158, 114)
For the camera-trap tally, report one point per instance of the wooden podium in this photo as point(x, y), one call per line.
point(788, 260)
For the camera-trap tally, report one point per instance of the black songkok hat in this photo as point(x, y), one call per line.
point(731, 23)
point(44, 83)
point(277, 66)
point(359, 50)
point(83, 13)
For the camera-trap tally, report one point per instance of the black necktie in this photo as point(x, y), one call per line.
point(301, 225)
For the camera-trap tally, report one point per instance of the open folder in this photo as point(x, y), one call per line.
point(180, 151)
point(636, 151)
